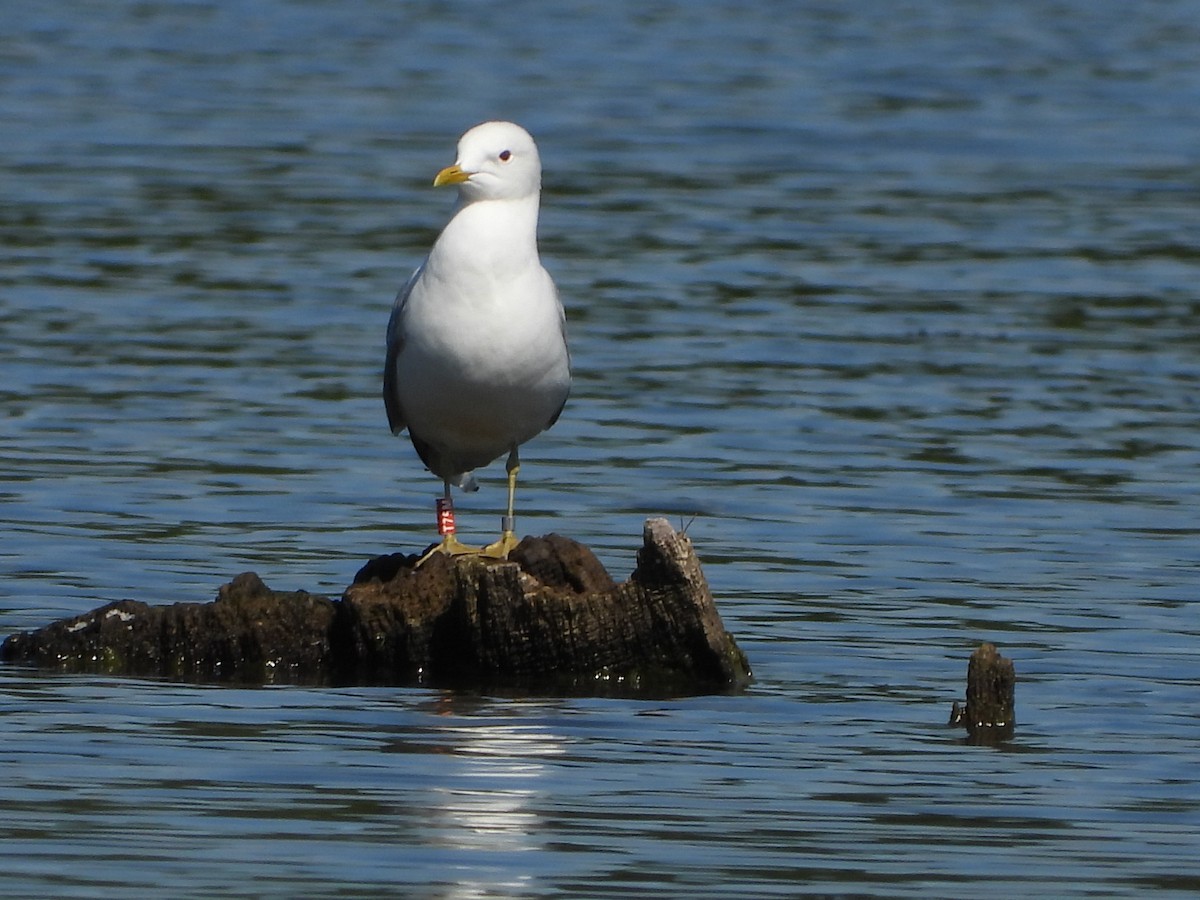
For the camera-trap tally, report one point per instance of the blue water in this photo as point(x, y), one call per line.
point(892, 305)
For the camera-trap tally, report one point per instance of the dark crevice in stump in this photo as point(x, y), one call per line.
point(990, 711)
point(549, 619)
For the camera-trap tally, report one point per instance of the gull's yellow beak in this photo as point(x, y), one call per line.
point(450, 175)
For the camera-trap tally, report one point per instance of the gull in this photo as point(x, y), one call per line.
point(477, 360)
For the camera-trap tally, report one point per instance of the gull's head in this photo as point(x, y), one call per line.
point(496, 161)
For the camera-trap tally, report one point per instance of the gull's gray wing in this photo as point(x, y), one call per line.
point(562, 329)
point(395, 343)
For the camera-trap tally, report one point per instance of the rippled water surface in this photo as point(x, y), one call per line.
point(893, 305)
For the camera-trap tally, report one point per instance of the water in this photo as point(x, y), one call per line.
point(893, 305)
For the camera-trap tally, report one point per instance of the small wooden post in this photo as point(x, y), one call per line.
point(990, 711)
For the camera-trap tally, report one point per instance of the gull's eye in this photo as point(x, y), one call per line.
point(505, 155)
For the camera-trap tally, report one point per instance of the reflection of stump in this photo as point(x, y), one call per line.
point(550, 618)
point(990, 711)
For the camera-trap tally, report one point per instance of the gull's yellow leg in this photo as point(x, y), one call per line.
point(450, 545)
point(508, 537)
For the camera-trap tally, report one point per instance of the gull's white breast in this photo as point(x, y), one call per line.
point(484, 362)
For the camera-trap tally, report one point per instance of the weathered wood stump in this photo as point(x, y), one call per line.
point(990, 711)
point(549, 619)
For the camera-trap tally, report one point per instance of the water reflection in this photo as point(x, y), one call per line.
point(483, 805)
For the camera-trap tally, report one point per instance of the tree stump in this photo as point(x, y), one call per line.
point(548, 619)
point(990, 711)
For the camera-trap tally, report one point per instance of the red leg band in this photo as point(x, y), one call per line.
point(445, 516)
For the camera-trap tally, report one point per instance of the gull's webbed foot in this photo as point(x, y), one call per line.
point(501, 548)
point(450, 546)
